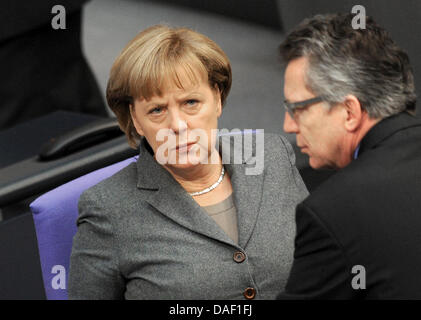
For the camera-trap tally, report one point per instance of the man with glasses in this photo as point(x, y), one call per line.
point(350, 101)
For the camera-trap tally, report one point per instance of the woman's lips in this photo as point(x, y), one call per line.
point(185, 147)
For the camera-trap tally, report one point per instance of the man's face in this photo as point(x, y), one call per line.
point(319, 131)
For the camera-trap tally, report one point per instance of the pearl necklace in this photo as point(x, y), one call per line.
point(198, 193)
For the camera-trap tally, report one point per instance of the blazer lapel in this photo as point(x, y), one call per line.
point(167, 196)
point(247, 191)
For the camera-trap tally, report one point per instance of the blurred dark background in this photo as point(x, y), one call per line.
point(249, 31)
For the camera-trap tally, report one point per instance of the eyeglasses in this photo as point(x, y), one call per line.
point(290, 107)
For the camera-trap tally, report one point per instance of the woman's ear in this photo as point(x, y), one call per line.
point(134, 117)
point(219, 107)
point(218, 101)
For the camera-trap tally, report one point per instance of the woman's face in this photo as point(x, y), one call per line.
point(180, 125)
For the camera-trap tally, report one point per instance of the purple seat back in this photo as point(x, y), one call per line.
point(55, 214)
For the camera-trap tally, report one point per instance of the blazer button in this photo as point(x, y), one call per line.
point(250, 293)
point(239, 257)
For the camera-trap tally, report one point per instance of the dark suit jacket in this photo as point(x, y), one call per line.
point(368, 214)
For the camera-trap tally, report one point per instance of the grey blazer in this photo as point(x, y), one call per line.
point(142, 236)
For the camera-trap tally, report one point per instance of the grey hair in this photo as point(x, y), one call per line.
point(365, 63)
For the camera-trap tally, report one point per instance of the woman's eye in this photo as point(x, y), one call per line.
point(191, 102)
point(156, 110)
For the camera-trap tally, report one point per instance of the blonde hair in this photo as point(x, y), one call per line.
point(153, 58)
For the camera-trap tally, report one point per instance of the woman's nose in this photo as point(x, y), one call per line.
point(178, 123)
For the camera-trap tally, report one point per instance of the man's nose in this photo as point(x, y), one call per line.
point(290, 125)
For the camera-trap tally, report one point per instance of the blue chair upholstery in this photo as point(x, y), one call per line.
point(55, 215)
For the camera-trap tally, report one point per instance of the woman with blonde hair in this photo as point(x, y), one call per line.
point(197, 227)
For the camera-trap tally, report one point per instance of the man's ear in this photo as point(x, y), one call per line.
point(135, 120)
point(354, 113)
